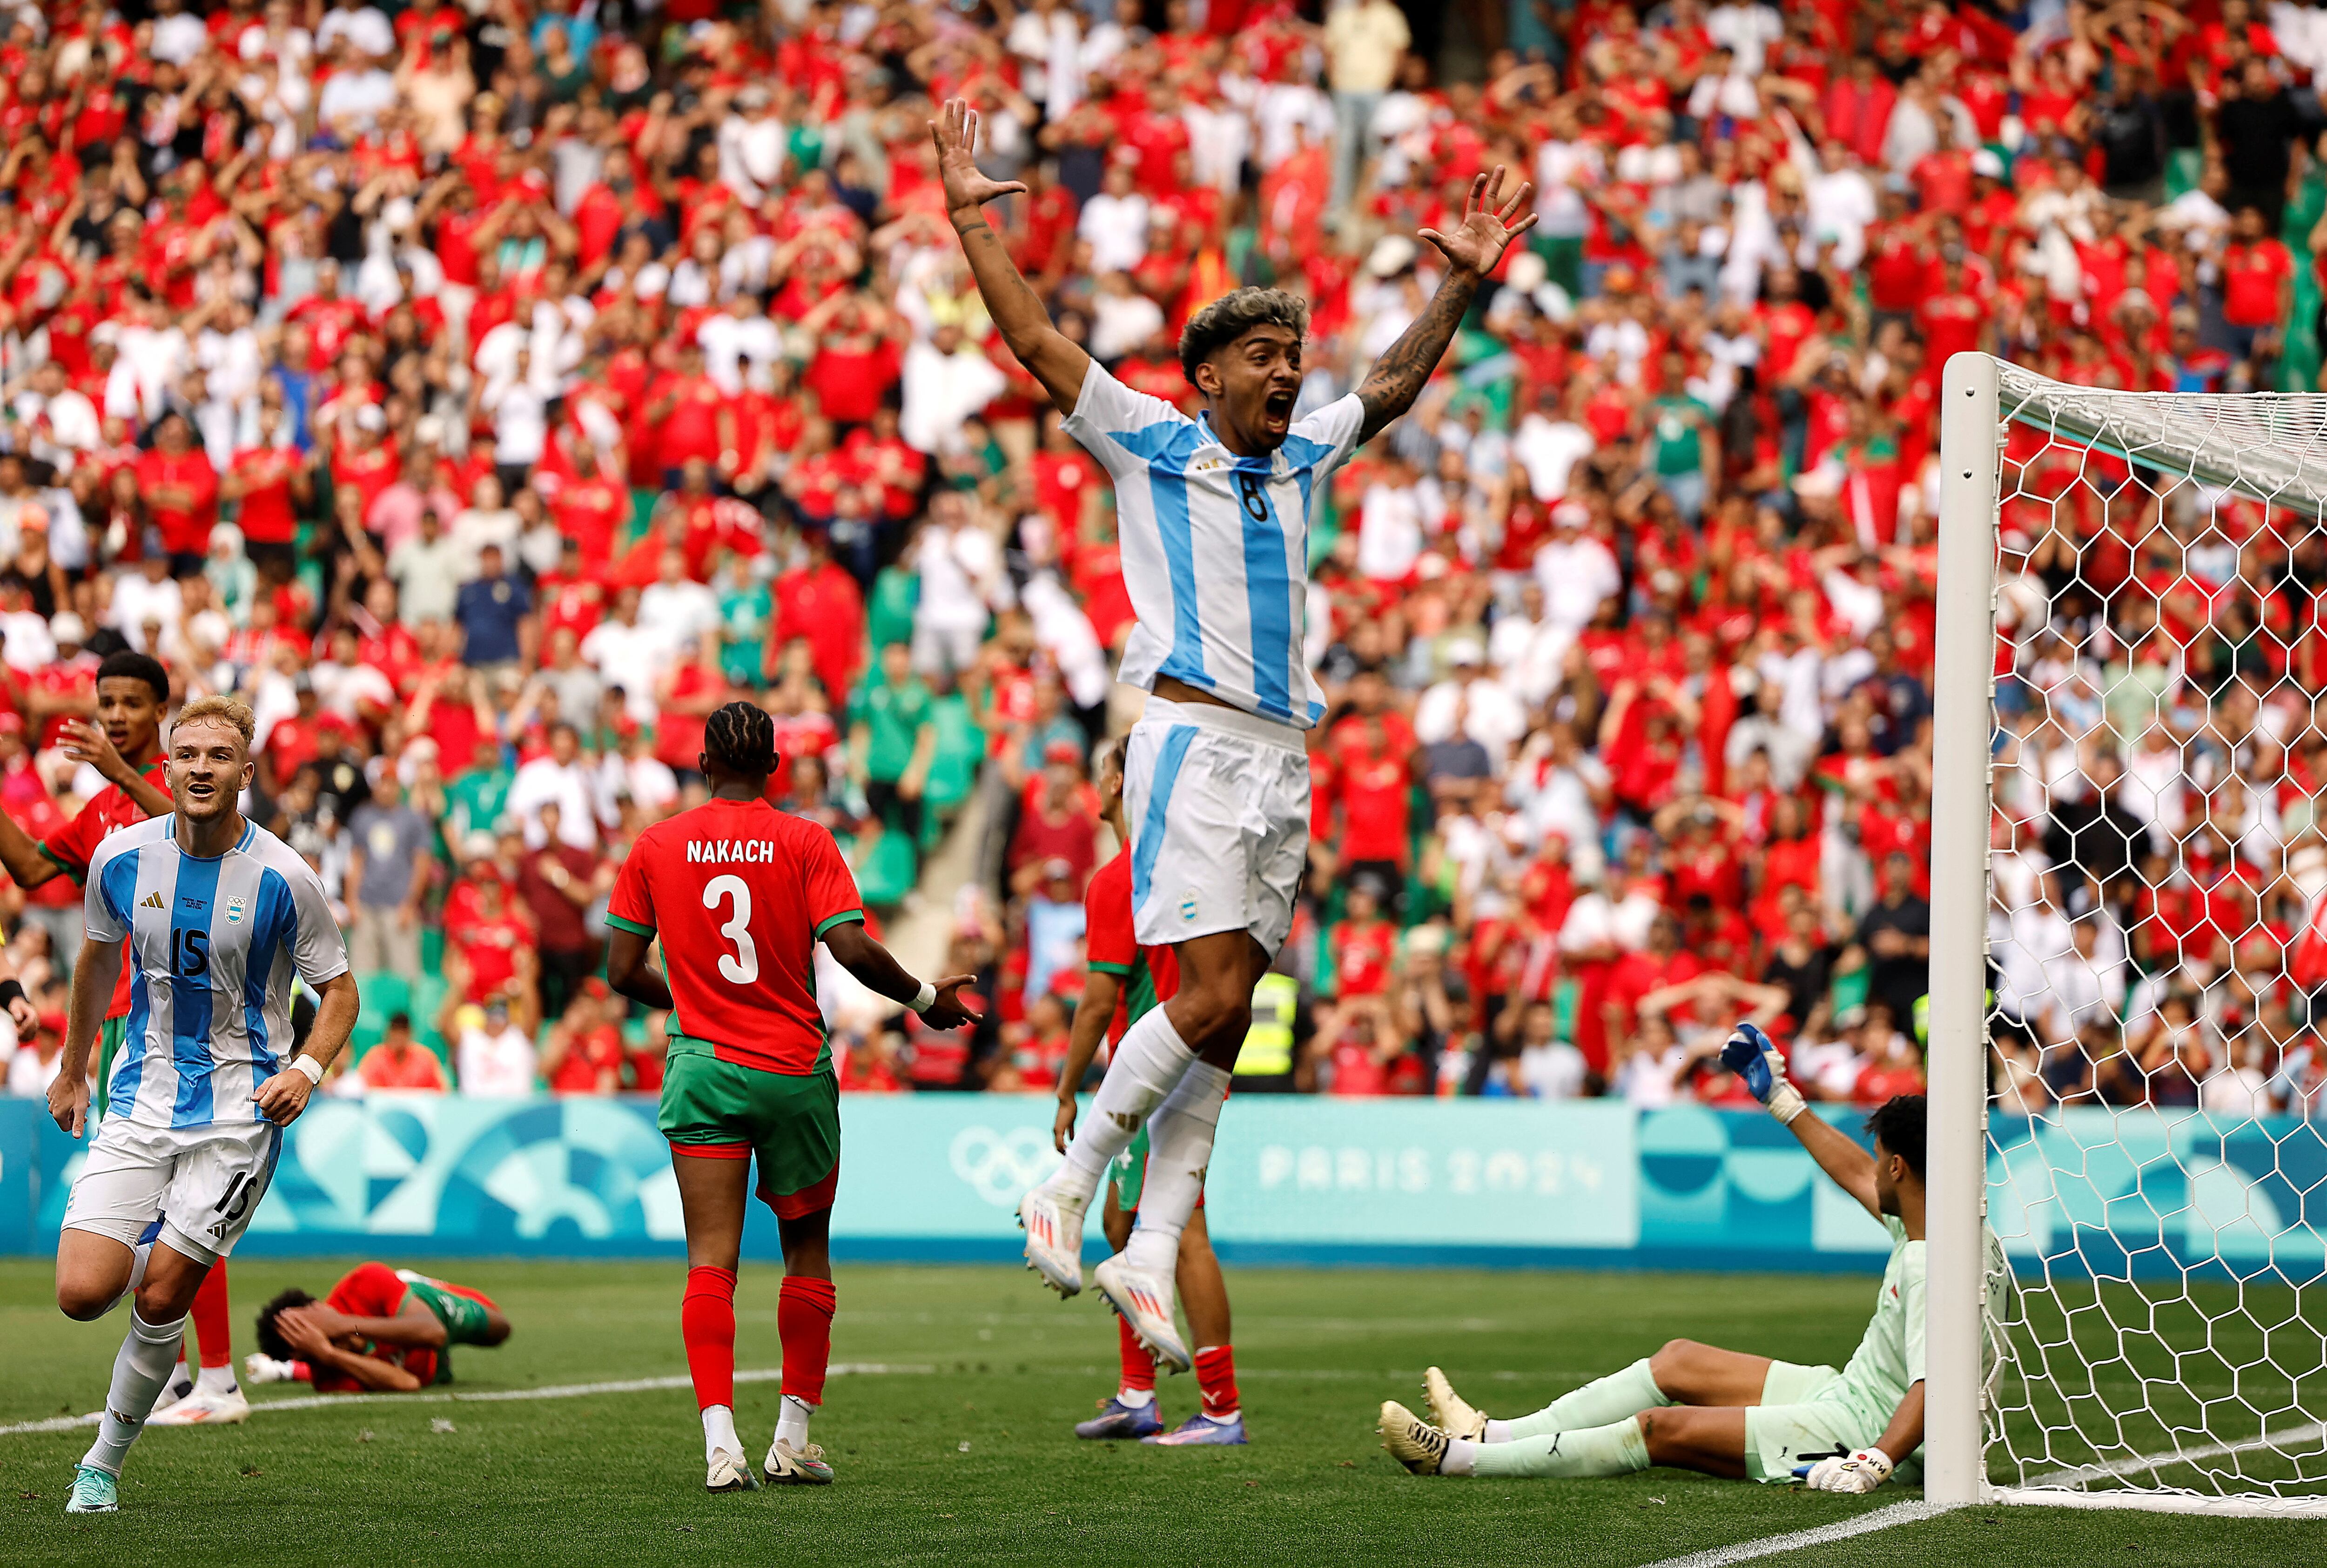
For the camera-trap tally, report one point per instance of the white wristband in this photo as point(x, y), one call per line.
point(923, 998)
point(311, 1066)
point(1786, 1103)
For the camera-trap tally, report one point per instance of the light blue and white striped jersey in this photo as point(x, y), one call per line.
point(1215, 546)
point(212, 942)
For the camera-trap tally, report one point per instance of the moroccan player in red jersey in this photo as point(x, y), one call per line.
point(740, 893)
point(382, 1330)
point(124, 746)
point(1125, 980)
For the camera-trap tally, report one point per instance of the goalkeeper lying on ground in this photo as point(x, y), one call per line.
point(389, 1330)
point(1724, 1411)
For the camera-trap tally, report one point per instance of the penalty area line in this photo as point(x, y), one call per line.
point(505, 1395)
point(1907, 1513)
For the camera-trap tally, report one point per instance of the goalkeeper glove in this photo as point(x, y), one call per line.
point(1862, 1472)
point(1754, 1057)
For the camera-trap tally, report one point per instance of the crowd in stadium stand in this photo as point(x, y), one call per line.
point(488, 391)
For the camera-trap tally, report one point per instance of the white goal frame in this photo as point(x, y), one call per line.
point(2287, 466)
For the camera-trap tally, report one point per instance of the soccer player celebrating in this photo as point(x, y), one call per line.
point(381, 1330)
point(1725, 1412)
point(1125, 980)
point(218, 914)
point(1214, 515)
point(124, 746)
point(740, 894)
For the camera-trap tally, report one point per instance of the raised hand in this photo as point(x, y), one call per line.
point(1755, 1057)
point(1488, 224)
point(967, 187)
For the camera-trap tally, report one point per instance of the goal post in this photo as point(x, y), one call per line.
point(2127, 1078)
point(1955, 1157)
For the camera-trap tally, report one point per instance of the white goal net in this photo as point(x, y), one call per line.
point(2145, 656)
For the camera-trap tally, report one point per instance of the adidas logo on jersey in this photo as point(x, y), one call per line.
point(152, 900)
point(731, 851)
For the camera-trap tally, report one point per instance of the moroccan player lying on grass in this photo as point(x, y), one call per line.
point(382, 1330)
point(1726, 1412)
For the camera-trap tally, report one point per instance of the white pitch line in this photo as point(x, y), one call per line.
point(1907, 1513)
point(2063, 1486)
point(649, 1385)
point(501, 1395)
point(2114, 1467)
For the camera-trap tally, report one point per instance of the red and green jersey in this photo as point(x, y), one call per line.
point(740, 892)
point(74, 845)
point(374, 1290)
point(1149, 975)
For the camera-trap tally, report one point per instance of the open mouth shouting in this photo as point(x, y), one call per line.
point(1276, 410)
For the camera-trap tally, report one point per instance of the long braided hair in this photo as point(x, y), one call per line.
point(741, 738)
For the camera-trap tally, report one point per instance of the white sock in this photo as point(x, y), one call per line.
point(1135, 1399)
point(719, 1432)
point(1497, 1432)
point(148, 1352)
point(215, 1380)
point(1148, 1065)
point(1461, 1452)
point(1179, 1145)
point(791, 1421)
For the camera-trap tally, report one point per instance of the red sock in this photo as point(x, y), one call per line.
point(706, 1322)
point(213, 1324)
point(804, 1319)
point(1138, 1366)
point(1216, 1380)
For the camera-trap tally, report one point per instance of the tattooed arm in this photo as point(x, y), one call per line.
point(1488, 226)
point(1051, 358)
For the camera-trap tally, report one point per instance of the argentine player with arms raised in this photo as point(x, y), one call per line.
point(217, 915)
point(740, 893)
point(1214, 514)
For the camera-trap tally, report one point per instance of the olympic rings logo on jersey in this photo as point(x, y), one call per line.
point(1000, 1166)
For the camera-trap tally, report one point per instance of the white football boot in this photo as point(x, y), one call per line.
point(1053, 1224)
point(205, 1407)
point(1144, 1300)
point(730, 1473)
point(797, 1467)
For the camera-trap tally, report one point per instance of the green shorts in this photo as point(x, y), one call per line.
point(109, 1036)
point(722, 1110)
point(1807, 1413)
point(1129, 1174)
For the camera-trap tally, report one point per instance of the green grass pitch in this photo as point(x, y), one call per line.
point(968, 1459)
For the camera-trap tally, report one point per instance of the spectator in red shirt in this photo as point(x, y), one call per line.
point(180, 489)
point(401, 1064)
point(583, 1054)
point(2258, 294)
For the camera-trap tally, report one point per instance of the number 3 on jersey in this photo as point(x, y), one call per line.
point(742, 966)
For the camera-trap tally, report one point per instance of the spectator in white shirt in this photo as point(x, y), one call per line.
point(558, 778)
point(364, 26)
point(496, 1057)
point(1467, 706)
point(1576, 568)
point(1114, 221)
point(960, 570)
point(751, 147)
point(632, 654)
point(685, 609)
point(946, 381)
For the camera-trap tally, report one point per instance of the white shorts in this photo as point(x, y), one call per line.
point(195, 1188)
point(1218, 803)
